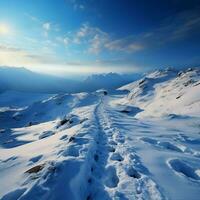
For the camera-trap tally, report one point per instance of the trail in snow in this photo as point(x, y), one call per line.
point(100, 146)
point(117, 172)
point(159, 152)
point(96, 186)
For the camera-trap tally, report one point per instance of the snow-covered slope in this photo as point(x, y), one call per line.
point(60, 140)
point(56, 106)
point(104, 145)
point(166, 93)
point(20, 99)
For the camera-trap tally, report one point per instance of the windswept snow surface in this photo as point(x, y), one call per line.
point(166, 93)
point(92, 146)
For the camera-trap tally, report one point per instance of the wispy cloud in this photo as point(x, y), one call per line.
point(77, 5)
point(46, 28)
point(102, 66)
point(184, 24)
point(125, 45)
point(91, 41)
point(96, 44)
point(63, 40)
point(48, 61)
point(12, 56)
point(98, 40)
point(9, 49)
point(33, 18)
point(94, 37)
point(173, 29)
point(81, 33)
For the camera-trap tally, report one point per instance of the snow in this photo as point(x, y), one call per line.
point(165, 93)
point(20, 99)
point(140, 145)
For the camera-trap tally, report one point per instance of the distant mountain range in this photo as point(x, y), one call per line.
point(108, 81)
point(22, 79)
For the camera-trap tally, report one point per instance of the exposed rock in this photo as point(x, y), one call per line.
point(105, 92)
point(35, 169)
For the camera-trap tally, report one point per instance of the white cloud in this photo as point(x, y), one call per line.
point(95, 40)
point(98, 40)
point(63, 40)
point(94, 37)
point(66, 41)
point(97, 43)
point(46, 26)
point(76, 40)
point(84, 31)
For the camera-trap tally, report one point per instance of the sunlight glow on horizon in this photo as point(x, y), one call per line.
point(63, 37)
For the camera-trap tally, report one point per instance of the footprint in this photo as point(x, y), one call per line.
point(71, 151)
point(135, 160)
point(64, 137)
point(111, 149)
point(120, 139)
point(111, 178)
point(92, 169)
point(96, 157)
point(117, 157)
point(183, 168)
point(89, 180)
point(46, 134)
point(133, 173)
point(71, 139)
point(149, 140)
point(35, 159)
point(10, 159)
point(165, 145)
point(112, 142)
point(120, 196)
point(79, 140)
point(183, 138)
point(146, 188)
point(89, 197)
point(170, 146)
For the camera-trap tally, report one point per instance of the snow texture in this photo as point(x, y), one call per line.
point(102, 145)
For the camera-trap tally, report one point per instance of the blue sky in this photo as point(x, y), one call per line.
point(95, 36)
